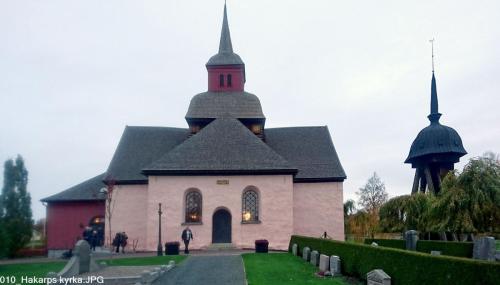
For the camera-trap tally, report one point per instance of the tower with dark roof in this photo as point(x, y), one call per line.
point(226, 96)
point(434, 151)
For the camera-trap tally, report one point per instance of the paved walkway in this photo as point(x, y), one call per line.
point(213, 269)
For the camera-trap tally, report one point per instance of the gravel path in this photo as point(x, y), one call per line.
point(215, 270)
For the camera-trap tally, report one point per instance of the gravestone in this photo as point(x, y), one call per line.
point(314, 257)
point(324, 263)
point(82, 252)
point(294, 249)
point(435, 252)
point(411, 237)
point(306, 253)
point(484, 249)
point(378, 277)
point(335, 267)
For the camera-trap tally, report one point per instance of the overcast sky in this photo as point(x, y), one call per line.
point(73, 74)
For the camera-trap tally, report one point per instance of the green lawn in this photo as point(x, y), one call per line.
point(283, 268)
point(30, 269)
point(150, 260)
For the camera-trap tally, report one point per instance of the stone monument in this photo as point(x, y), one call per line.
point(314, 257)
point(335, 267)
point(306, 253)
point(411, 237)
point(378, 277)
point(324, 263)
point(484, 248)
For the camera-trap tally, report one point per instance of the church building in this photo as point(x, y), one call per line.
point(226, 176)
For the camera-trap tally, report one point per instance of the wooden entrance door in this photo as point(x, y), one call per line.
point(221, 226)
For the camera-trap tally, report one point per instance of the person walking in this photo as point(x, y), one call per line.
point(123, 242)
point(186, 236)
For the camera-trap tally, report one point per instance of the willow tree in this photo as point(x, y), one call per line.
point(470, 201)
point(393, 214)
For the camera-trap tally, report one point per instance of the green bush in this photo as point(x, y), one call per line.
point(393, 243)
point(452, 248)
point(404, 267)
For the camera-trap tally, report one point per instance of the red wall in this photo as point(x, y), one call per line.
point(67, 220)
point(238, 80)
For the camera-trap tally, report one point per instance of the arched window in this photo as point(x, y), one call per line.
point(221, 80)
point(229, 80)
point(250, 206)
point(193, 206)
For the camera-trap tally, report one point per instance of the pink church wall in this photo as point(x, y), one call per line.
point(129, 214)
point(276, 204)
point(237, 81)
point(318, 208)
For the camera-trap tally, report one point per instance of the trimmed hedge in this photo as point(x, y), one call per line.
point(404, 267)
point(393, 243)
point(452, 248)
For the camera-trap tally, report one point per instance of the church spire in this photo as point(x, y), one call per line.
point(434, 115)
point(225, 45)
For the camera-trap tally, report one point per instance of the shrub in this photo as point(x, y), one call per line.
point(452, 248)
point(404, 267)
point(393, 243)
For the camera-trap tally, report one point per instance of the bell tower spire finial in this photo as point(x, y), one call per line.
point(432, 50)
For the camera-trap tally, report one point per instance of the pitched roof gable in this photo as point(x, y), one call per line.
point(224, 146)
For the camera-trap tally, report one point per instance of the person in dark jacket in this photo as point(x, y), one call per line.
point(123, 241)
point(87, 234)
point(93, 240)
point(186, 236)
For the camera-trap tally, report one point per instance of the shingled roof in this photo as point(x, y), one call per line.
point(310, 149)
point(88, 190)
point(139, 147)
point(225, 146)
point(239, 105)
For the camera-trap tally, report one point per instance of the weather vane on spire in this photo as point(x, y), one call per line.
point(432, 47)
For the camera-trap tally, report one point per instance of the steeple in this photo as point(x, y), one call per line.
point(225, 56)
point(226, 70)
point(434, 115)
point(225, 45)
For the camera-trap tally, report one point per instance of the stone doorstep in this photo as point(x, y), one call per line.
point(220, 246)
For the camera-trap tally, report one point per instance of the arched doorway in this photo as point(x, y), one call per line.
point(221, 226)
point(97, 224)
